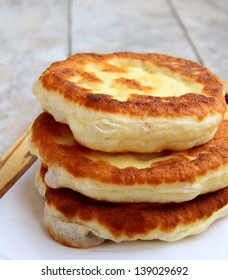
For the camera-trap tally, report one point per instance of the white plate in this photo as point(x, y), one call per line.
point(23, 236)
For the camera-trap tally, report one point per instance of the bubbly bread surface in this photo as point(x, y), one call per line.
point(127, 102)
point(128, 221)
point(156, 177)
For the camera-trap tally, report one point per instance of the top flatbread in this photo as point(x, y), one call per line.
point(133, 102)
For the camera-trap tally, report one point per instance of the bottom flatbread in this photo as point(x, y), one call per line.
point(79, 221)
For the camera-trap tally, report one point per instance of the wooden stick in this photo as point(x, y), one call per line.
point(15, 162)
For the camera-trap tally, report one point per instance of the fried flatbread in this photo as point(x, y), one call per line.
point(72, 216)
point(129, 177)
point(133, 102)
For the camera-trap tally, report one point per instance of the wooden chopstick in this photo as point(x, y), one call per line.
point(17, 159)
point(15, 162)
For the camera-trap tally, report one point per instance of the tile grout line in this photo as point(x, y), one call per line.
point(69, 27)
point(185, 31)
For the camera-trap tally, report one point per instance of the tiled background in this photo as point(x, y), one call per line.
point(35, 33)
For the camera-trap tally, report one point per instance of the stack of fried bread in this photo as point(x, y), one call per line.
point(132, 146)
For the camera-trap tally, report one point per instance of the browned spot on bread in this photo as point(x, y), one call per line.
point(133, 84)
point(90, 77)
point(113, 68)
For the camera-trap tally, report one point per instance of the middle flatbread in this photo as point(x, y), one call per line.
point(129, 177)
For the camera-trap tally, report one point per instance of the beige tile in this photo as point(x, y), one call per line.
point(33, 34)
point(207, 22)
point(130, 25)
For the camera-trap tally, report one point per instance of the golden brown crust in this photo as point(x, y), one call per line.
point(57, 78)
point(135, 218)
point(48, 137)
